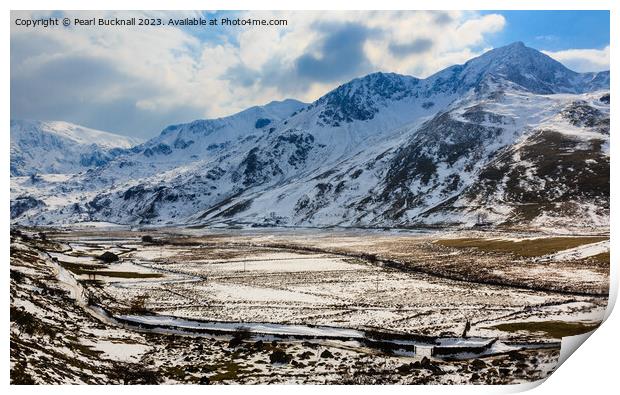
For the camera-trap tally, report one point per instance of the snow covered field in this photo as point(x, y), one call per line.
point(306, 306)
point(282, 278)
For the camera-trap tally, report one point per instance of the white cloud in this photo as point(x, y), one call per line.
point(136, 80)
point(582, 60)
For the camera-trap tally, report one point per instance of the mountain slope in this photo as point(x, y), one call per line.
point(178, 147)
point(61, 147)
point(491, 137)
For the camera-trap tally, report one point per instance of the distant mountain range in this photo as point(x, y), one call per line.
point(62, 147)
point(511, 137)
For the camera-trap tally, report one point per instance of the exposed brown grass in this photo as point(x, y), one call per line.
point(524, 248)
point(554, 329)
point(92, 270)
point(602, 258)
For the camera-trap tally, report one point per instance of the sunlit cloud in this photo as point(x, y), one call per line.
point(583, 60)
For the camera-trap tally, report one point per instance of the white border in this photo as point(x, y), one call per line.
point(592, 369)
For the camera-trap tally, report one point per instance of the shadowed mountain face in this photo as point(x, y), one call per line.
point(512, 136)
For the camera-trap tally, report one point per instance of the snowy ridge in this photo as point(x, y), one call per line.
point(61, 147)
point(512, 136)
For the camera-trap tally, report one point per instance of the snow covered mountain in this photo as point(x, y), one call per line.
point(512, 136)
point(61, 147)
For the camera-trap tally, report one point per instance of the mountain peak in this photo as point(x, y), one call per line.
point(360, 98)
point(516, 44)
point(516, 55)
point(380, 78)
point(523, 66)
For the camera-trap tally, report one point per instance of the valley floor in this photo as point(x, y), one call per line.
point(304, 306)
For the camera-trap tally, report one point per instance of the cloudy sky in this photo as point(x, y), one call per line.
point(137, 80)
